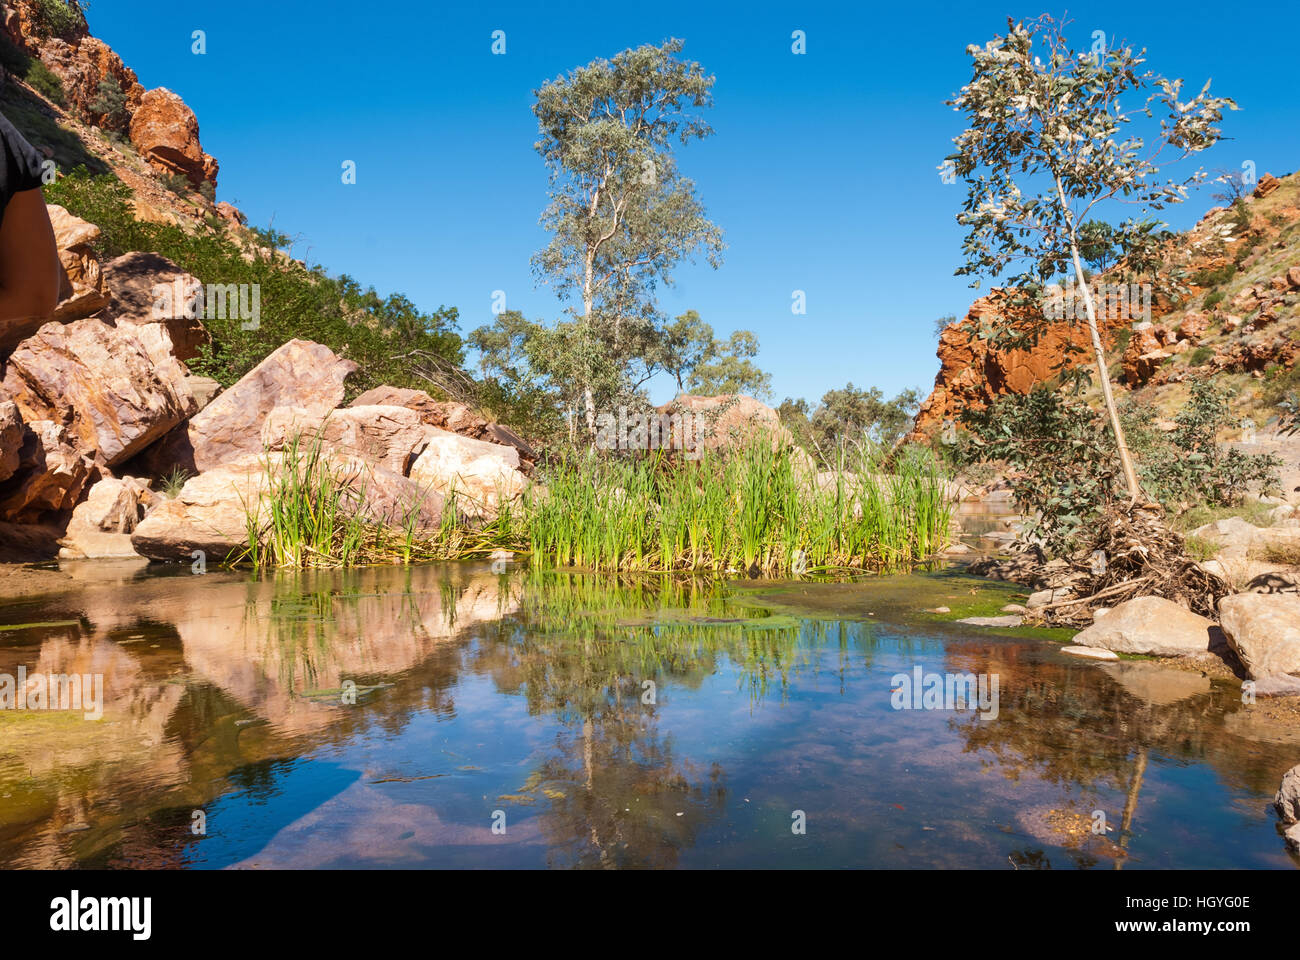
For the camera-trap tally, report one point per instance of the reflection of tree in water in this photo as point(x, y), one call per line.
point(582, 650)
point(1079, 726)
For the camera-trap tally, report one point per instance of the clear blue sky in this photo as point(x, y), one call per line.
point(821, 172)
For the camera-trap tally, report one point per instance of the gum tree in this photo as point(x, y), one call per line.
point(1049, 147)
point(621, 217)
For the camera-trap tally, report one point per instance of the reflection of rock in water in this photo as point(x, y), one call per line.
point(184, 660)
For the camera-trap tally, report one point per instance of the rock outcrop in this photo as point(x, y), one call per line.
point(82, 290)
point(386, 436)
point(11, 439)
point(153, 294)
point(51, 474)
point(482, 475)
point(114, 397)
point(298, 374)
point(101, 525)
point(451, 416)
point(166, 133)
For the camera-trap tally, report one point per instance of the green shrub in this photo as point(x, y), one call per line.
point(110, 105)
point(1214, 298)
point(57, 18)
point(44, 82)
point(1199, 356)
point(391, 341)
point(1212, 277)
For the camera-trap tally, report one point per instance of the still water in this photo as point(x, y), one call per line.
point(447, 716)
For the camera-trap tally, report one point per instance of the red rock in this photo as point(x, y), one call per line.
point(166, 133)
point(101, 382)
point(385, 436)
point(51, 475)
point(1194, 326)
point(450, 416)
point(1267, 184)
point(11, 439)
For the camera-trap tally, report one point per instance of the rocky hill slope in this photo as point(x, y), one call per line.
point(1238, 323)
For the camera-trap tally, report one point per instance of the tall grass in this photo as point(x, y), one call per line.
point(312, 513)
point(755, 511)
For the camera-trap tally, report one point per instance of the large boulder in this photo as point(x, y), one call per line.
point(1153, 626)
point(298, 374)
point(99, 380)
point(728, 420)
point(388, 437)
point(483, 475)
point(1287, 801)
point(82, 290)
point(1236, 538)
point(11, 439)
point(50, 477)
point(150, 292)
point(212, 511)
point(166, 133)
point(101, 524)
point(448, 415)
point(1264, 631)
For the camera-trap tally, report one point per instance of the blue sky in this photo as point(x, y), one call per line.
point(822, 170)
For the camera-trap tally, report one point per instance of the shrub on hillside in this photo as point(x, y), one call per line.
point(44, 82)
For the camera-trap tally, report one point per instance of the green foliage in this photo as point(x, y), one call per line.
point(620, 216)
point(173, 482)
point(1214, 298)
point(1097, 244)
point(750, 511)
point(1214, 276)
point(391, 341)
point(702, 364)
point(943, 323)
point(1200, 355)
point(850, 415)
point(110, 105)
point(44, 81)
point(1188, 465)
point(57, 18)
point(1061, 460)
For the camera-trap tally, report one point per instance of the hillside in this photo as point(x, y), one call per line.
point(1238, 323)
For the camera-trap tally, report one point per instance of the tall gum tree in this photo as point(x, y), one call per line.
point(1049, 147)
point(620, 215)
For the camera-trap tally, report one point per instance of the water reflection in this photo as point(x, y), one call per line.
point(448, 716)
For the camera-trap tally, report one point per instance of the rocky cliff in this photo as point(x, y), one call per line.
point(1238, 319)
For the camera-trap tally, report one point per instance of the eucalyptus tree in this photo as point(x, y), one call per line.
point(621, 216)
point(1049, 147)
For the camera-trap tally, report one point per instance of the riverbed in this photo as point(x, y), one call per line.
point(453, 716)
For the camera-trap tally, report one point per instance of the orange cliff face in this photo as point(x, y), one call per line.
point(1250, 265)
point(161, 127)
point(972, 373)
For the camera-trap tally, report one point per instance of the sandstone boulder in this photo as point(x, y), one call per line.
point(388, 437)
point(1287, 801)
point(211, 512)
point(1150, 625)
point(101, 524)
point(482, 475)
point(82, 290)
point(1264, 631)
point(154, 294)
point(299, 374)
point(99, 380)
point(1267, 184)
point(11, 438)
point(728, 420)
point(51, 474)
point(166, 133)
point(450, 416)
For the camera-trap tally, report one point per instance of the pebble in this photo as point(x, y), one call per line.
point(1096, 653)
